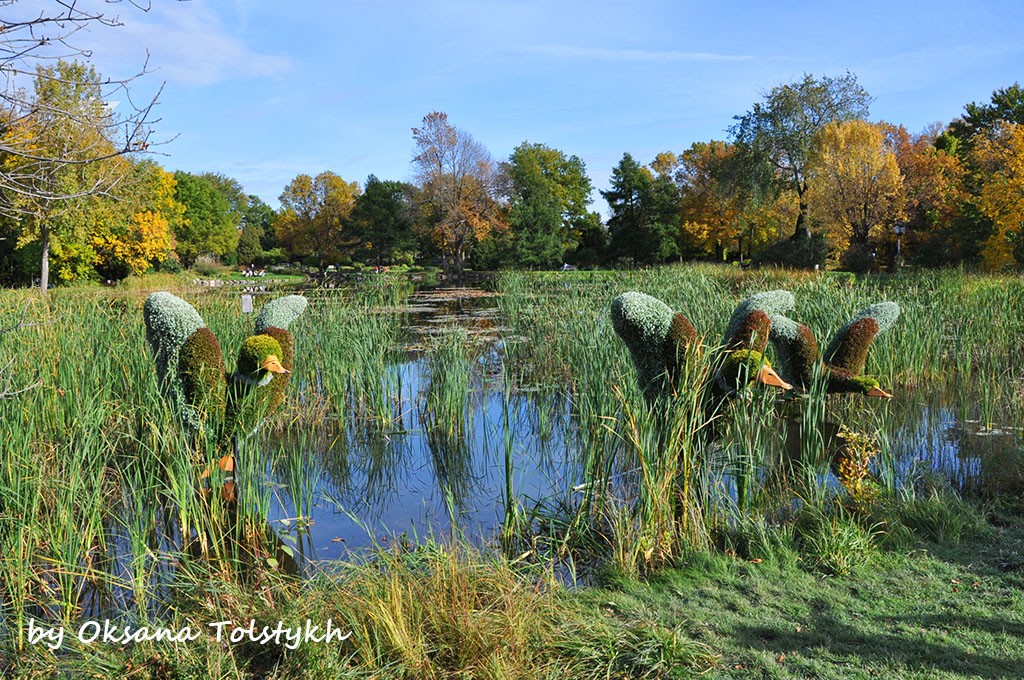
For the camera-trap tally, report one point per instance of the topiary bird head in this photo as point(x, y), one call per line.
point(744, 343)
point(844, 359)
point(259, 360)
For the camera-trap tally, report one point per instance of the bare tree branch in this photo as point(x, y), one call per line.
point(48, 35)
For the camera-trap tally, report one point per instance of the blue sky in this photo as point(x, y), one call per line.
point(263, 90)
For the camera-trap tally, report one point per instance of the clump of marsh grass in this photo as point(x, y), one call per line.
point(831, 540)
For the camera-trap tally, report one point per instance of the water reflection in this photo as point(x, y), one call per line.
point(420, 445)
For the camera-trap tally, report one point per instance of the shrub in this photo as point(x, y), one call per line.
point(207, 265)
point(800, 253)
point(858, 259)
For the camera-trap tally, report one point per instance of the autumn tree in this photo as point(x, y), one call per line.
point(933, 184)
point(1000, 156)
point(208, 226)
point(644, 220)
point(137, 230)
point(313, 218)
point(58, 159)
point(710, 210)
point(857, 187)
point(1005, 106)
point(776, 135)
point(52, 132)
point(460, 185)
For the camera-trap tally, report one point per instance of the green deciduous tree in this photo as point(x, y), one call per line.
point(1006, 106)
point(382, 219)
point(208, 226)
point(549, 195)
point(777, 134)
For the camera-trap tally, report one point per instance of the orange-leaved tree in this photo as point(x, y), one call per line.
point(461, 186)
point(314, 214)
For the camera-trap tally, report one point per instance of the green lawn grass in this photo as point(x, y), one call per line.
point(921, 610)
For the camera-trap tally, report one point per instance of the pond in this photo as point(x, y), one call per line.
point(407, 477)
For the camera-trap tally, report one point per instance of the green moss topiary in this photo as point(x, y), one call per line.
point(738, 369)
point(249, 392)
point(203, 381)
point(796, 350)
point(170, 322)
point(279, 385)
point(771, 303)
point(840, 381)
point(251, 354)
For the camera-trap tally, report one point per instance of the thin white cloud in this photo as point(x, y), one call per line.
point(188, 43)
point(632, 55)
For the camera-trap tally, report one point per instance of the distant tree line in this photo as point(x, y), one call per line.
point(803, 178)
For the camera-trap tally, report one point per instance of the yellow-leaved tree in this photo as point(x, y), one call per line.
point(720, 208)
point(999, 155)
point(60, 161)
point(137, 231)
point(857, 190)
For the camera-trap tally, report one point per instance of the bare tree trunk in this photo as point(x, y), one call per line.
point(44, 264)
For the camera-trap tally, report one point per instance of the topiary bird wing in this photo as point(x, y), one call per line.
point(848, 350)
point(189, 363)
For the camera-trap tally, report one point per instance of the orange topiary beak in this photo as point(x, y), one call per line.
point(879, 393)
point(273, 364)
point(768, 376)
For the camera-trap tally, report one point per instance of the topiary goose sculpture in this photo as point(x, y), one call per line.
point(745, 341)
point(659, 341)
point(844, 359)
point(190, 368)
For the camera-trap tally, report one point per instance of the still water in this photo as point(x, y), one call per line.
point(409, 480)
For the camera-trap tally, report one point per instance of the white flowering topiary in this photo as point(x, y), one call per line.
point(772, 303)
point(170, 322)
point(279, 313)
point(885, 315)
point(657, 339)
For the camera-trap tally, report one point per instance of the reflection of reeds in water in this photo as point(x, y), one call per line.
point(443, 414)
